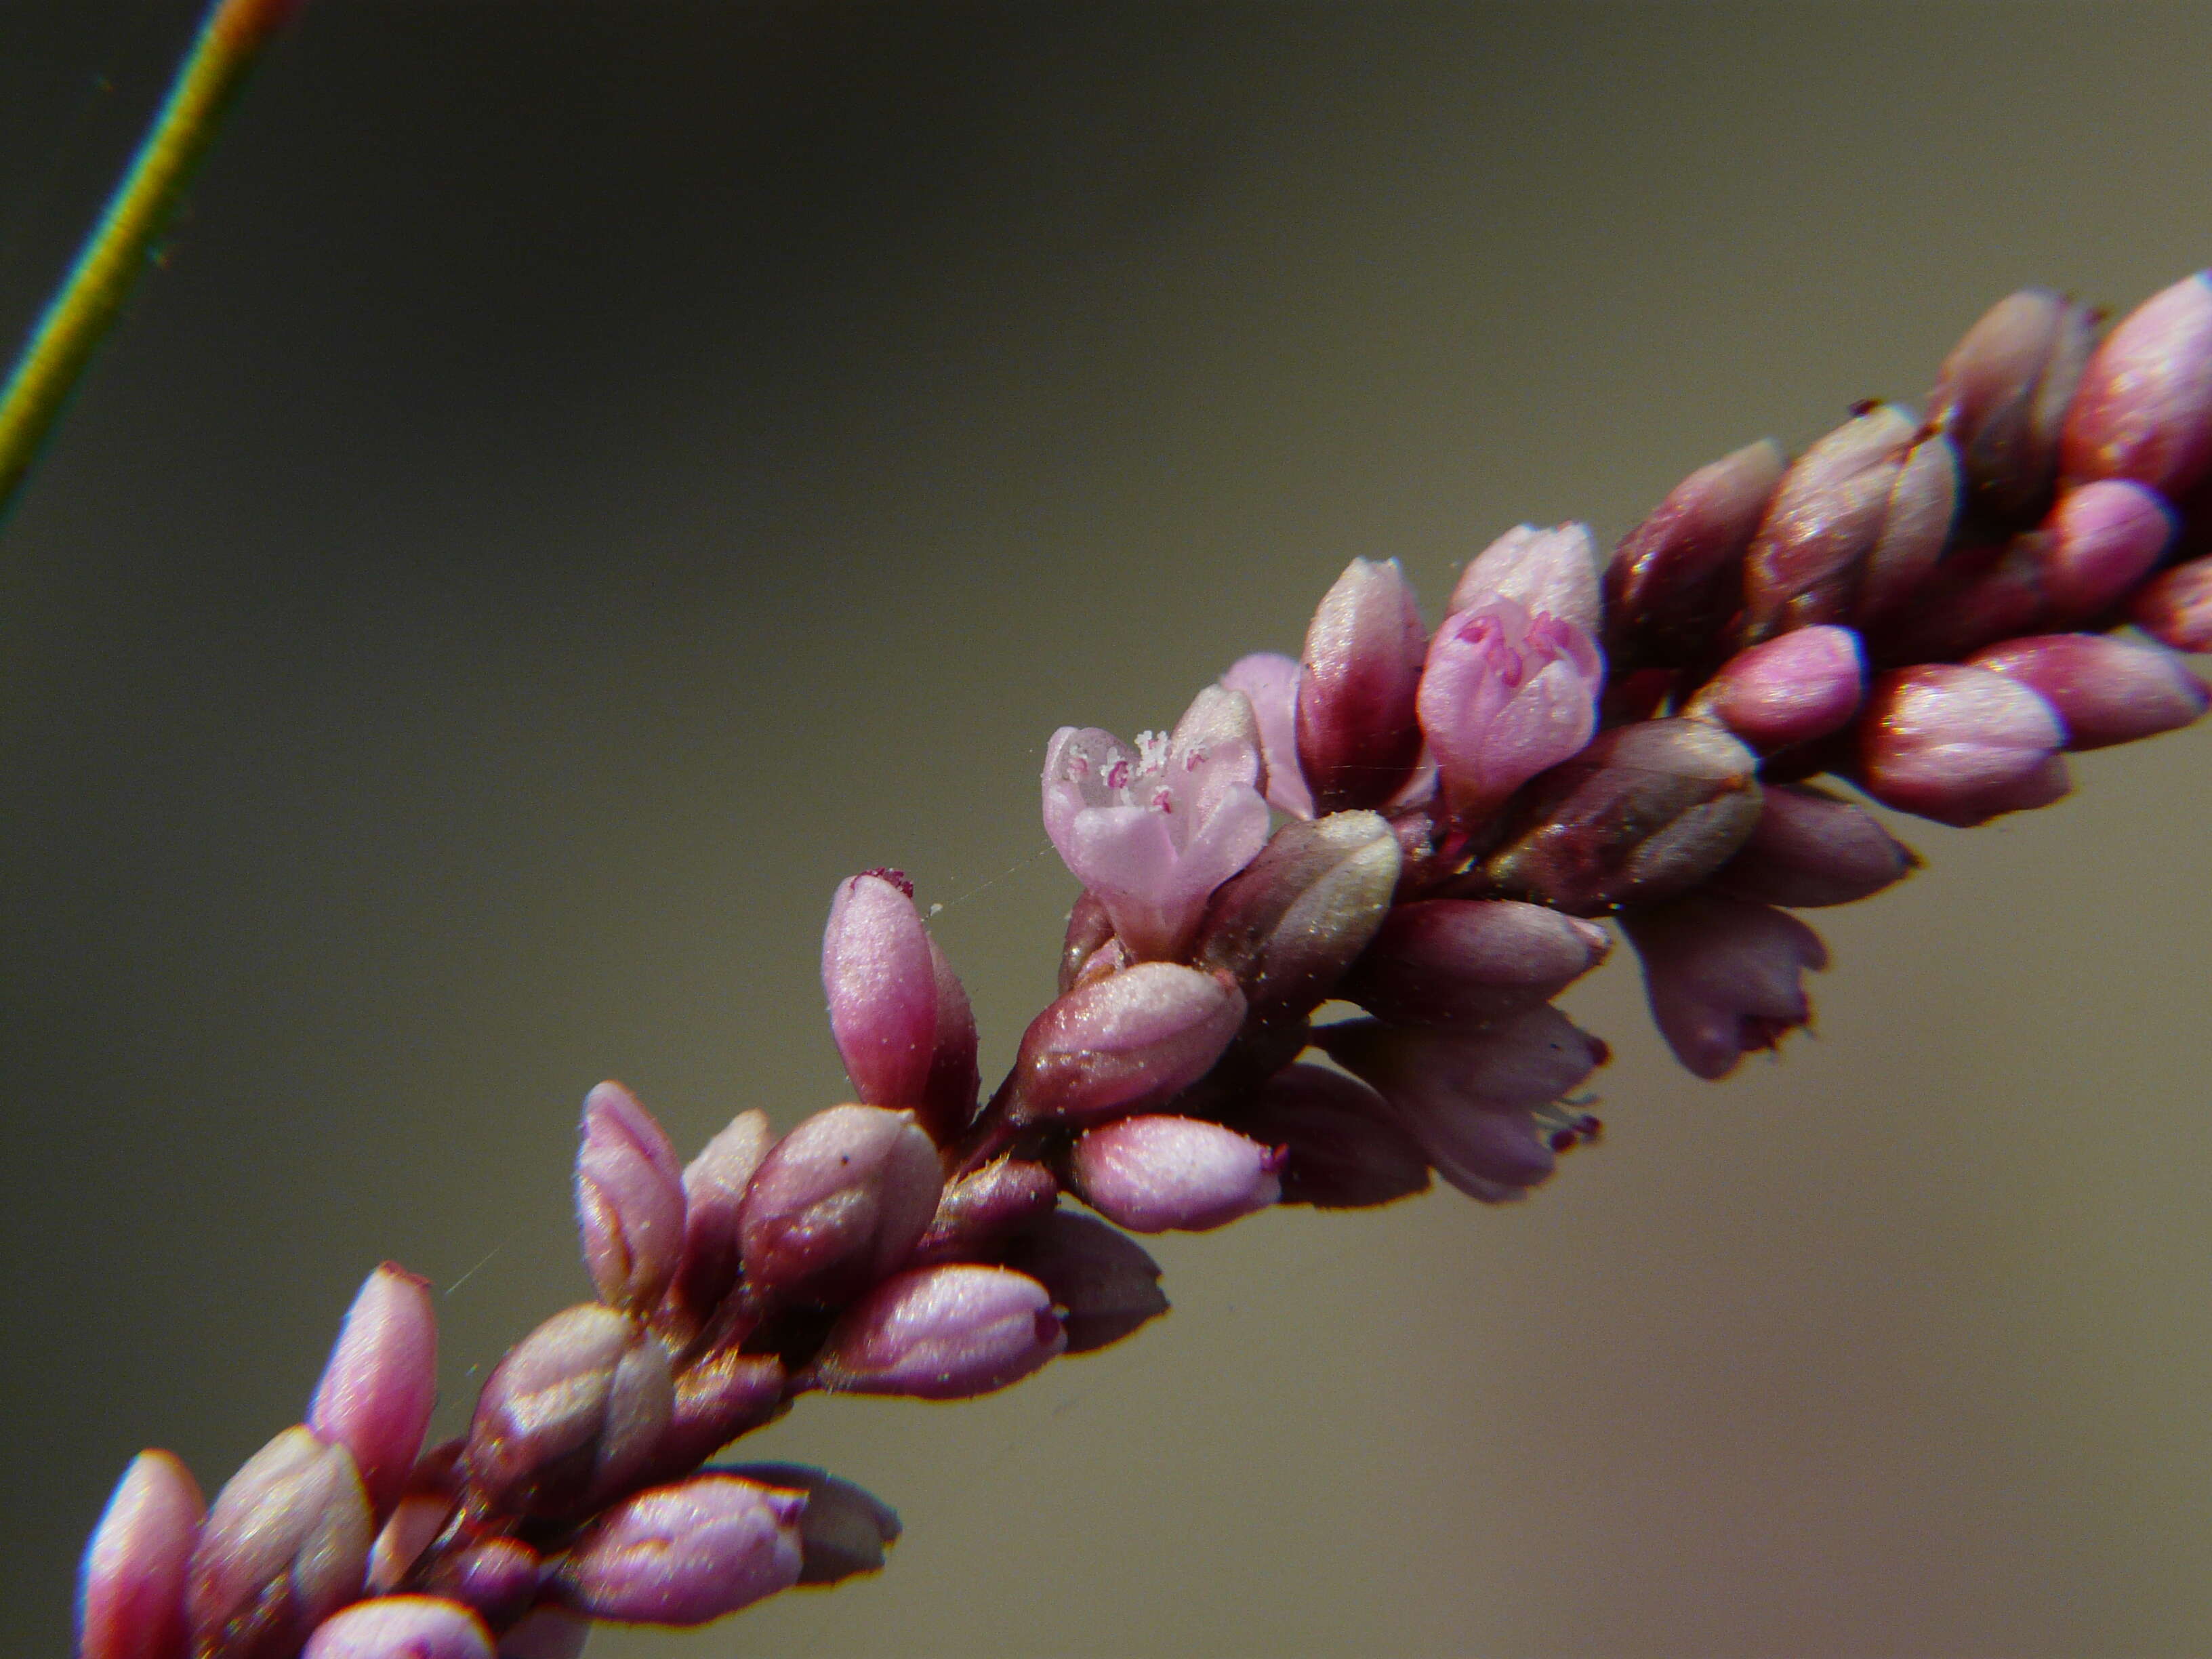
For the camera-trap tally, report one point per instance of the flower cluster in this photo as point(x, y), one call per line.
point(1426, 824)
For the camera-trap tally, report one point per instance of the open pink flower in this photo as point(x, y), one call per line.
point(1507, 692)
point(1153, 830)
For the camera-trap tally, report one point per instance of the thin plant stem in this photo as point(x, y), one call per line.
point(92, 295)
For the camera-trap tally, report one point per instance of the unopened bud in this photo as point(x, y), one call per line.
point(899, 1013)
point(285, 1546)
point(1090, 931)
point(1679, 575)
point(1343, 1148)
point(984, 1206)
point(1812, 848)
point(1101, 1281)
point(1645, 811)
point(714, 1185)
point(1507, 692)
point(1789, 690)
point(725, 1395)
point(685, 1554)
point(1529, 1061)
point(130, 1589)
point(1157, 1173)
point(402, 1627)
point(1129, 1039)
point(846, 1528)
point(1471, 962)
point(571, 1415)
point(2176, 609)
point(1358, 736)
point(498, 1576)
point(841, 1201)
point(1294, 918)
point(629, 1200)
point(1960, 745)
point(2144, 409)
point(1723, 977)
point(2105, 691)
point(2102, 539)
point(1270, 681)
point(1554, 571)
point(381, 1380)
point(2002, 394)
point(941, 1334)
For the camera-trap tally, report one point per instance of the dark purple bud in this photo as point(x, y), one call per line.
point(1646, 811)
point(1789, 690)
point(2176, 609)
point(2105, 691)
point(942, 1334)
point(984, 1206)
point(425, 1505)
point(2144, 409)
point(2100, 541)
point(131, 1588)
point(1159, 1175)
point(900, 1016)
point(573, 1414)
point(846, 1528)
point(714, 1185)
point(1507, 692)
point(1292, 920)
point(685, 1554)
point(2002, 394)
point(1270, 680)
point(629, 1200)
point(1679, 575)
point(285, 1546)
point(841, 1201)
point(1550, 571)
point(1528, 1060)
point(1357, 737)
point(1812, 848)
point(725, 1395)
point(547, 1632)
point(499, 1577)
point(1343, 1150)
point(1129, 1039)
point(402, 1627)
point(1470, 962)
point(1090, 930)
point(1103, 1283)
point(1960, 745)
point(1723, 977)
point(377, 1390)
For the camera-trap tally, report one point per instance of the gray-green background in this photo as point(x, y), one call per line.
point(591, 476)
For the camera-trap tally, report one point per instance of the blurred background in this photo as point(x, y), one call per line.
point(590, 476)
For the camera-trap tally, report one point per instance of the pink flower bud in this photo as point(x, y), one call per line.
point(1507, 693)
point(377, 1390)
point(1679, 575)
point(547, 1632)
point(899, 1014)
point(571, 1415)
point(2176, 609)
point(130, 1589)
point(1960, 745)
point(984, 1206)
point(841, 1201)
point(1470, 962)
point(942, 1334)
point(285, 1546)
point(2100, 542)
point(845, 1530)
point(629, 1200)
point(1103, 1283)
point(1153, 830)
point(2144, 410)
point(1343, 1148)
point(1553, 572)
point(1723, 977)
point(725, 1394)
point(2002, 393)
point(1270, 680)
point(427, 1502)
point(1132, 1039)
point(1358, 739)
point(1645, 812)
point(1526, 1060)
point(1811, 849)
point(685, 1554)
point(2105, 691)
point(714, 1192)
point(402, 1627)
point(1158, 1174)
point(1790, 691)
point(498, 1577)
point(1293, 919)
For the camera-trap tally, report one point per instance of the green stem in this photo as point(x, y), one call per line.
point(94, 292)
